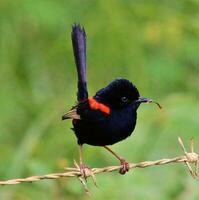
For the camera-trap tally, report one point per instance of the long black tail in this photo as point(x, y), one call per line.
point(79, 49)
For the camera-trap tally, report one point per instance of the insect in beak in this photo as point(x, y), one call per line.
point(147, 100)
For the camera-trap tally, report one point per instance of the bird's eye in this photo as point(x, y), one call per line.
point(124, 99)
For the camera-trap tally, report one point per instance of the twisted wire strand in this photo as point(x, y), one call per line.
point(188, 158)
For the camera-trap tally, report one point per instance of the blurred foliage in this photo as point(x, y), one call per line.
point(153, 43)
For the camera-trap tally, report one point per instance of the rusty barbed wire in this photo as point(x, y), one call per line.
point(188, 158)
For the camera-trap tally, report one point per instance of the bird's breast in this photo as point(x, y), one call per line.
point(112, 129)
point(122, 123)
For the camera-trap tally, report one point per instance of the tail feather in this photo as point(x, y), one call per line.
point(78, 36)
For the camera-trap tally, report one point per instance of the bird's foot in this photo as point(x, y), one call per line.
point(85, 172)
point(124, 167)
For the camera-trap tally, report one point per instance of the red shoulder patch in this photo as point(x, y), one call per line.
point(98, 106)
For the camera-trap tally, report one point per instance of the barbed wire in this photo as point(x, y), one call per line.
point(188, 158)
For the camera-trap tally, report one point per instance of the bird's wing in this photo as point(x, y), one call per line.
point(89, 109)
point(78, 36)
point(71, 114)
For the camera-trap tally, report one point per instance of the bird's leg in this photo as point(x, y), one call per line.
point(124, 164)
point(85, 170)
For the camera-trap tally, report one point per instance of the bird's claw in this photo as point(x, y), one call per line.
point(85, 172)
point(124, 167)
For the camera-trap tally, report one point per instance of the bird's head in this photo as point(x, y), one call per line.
point(120, 93)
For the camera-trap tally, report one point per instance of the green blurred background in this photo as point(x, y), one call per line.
point(153, 43)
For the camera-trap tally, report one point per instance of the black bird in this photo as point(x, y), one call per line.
point(110, 115)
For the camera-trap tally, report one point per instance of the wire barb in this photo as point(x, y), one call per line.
point(191, 156)
point(188, 158)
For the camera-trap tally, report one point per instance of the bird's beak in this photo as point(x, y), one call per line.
point(147, 100)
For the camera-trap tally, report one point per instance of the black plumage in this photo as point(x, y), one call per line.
point(99, 128)
point(78, 36)
point(110, 115)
